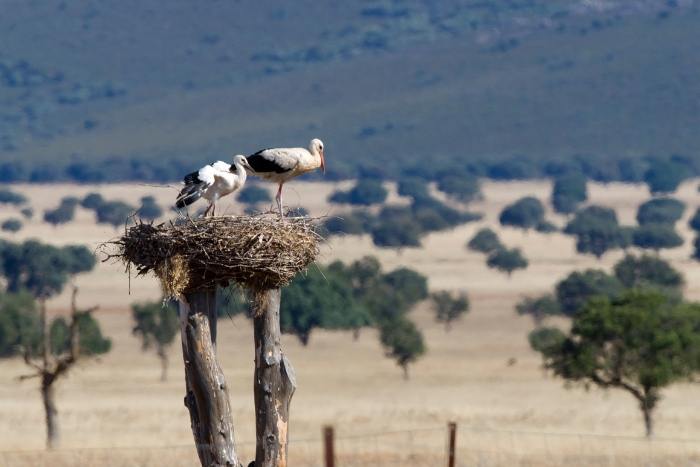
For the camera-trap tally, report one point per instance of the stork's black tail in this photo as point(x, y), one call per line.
point(192, 191)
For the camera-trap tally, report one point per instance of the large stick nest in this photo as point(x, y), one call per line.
point(195, 254)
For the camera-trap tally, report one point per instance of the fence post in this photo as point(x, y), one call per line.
point(328, 446)
point(452, 428)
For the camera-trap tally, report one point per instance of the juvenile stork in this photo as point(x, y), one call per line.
point(212, 182)
point(282, 164)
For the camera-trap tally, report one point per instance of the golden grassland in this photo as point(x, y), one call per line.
point(118, 401)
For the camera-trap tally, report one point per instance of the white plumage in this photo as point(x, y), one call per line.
point(212, 182)
point(282, 164)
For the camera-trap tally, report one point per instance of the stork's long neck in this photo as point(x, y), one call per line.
point(242, 175)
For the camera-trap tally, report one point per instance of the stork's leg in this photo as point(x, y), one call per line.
point(206, 213)
point(279, 200)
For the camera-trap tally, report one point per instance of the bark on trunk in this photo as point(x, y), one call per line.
point(274, 383)
point(207, 396)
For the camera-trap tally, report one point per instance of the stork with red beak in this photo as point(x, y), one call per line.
point(282, 164)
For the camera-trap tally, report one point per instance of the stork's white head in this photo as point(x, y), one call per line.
point(316, 146)
point(240, 160)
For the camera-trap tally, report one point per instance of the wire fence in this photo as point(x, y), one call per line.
point(416, 448)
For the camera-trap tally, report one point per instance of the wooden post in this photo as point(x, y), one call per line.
point(328, 446)
point(452, 427)
point(274, 382)
point(207, 397)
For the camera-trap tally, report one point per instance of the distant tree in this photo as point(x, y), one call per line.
point(233, 300)
point(451, 217)
point(463, 186)
point(542, 339)
point(664, 176)
point(366, 192)
point(149, 209)
point(694, 222)
point(484, 241)
point(11, 225)
point(92, 201)
point(156, 325)
point(397, 232)
point(660, 211)
point(575, 289)
point(638, 343)
point(350, 223)
point(64, 213)
point(507, 260)
point(410, 286)
point(696, 245)
point(525, 213)
point(115, 213)
point(656, 237)
point(568, 192)
point(402, 341)
point(321, 299)
point(28, 213)
point(19, 324)
point(539, 308)
point(546, 227)
point(254, 194)
point(597, 231)
point(641, 271)
point(90, 339)
point(10, 197)
point(413, 187)
point(448, 308)
point(43, 270)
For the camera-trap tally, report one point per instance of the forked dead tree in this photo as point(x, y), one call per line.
point(190, 259)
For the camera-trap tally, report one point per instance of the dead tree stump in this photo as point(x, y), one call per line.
point(189, 259)
point(207, 397)
point(274, 382)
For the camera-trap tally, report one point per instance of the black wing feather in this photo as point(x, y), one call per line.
point(191, 192)
point(261, 164)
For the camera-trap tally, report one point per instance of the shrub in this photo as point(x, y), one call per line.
point(660, 211)
point(11, 225)
point(525, 213)
point(484, 241)
point(28, 213)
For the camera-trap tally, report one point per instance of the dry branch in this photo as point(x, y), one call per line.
point(192, 254)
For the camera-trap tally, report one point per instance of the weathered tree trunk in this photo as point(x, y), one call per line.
point(274, 382)
point(649, 420)
point(48, 394)
point(207, 396)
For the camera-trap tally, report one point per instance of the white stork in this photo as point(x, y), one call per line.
point(282, 164)
point(213, 182)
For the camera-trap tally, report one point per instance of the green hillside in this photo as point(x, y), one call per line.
point(147, 90)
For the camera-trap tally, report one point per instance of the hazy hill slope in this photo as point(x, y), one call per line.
point(383, 83)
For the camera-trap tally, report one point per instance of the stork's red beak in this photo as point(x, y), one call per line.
point(323, 164)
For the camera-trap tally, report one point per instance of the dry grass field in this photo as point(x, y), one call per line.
point(118, 401)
